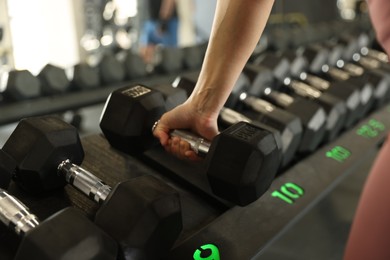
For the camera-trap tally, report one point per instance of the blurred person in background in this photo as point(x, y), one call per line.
point(161, 27)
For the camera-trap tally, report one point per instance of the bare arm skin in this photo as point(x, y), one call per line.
point(370, 232)
point(236, 30)
point(166, 10)
point(380, 17)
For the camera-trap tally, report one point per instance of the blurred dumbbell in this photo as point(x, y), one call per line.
point(127, 120)
point(192, 57)
point(111, 70)
point(342, 90)
point(85, 77)
point(311, 116)
point(318, 59)
point(46, 151)
point(68, 234)
point(54, 80)
point(134, 65)
point(365, 69)
point(289, 125)
point(19, 85)
point(169, 60)
point(360, 69)
point(334, 107)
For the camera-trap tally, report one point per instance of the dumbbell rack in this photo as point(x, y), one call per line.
point(13, 112)
point(235, 232)
point(242, 232)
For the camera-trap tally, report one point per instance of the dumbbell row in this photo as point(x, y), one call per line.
point(151, 207)
point(112, 68)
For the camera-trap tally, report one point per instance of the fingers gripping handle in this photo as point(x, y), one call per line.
point(199, 145)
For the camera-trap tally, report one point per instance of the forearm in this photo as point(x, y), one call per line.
point(167, 7)
point(237, 27)
point(380, 17)
point(370, 231)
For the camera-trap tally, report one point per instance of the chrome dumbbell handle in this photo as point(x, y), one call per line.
point(84, 181)
point(15, 214)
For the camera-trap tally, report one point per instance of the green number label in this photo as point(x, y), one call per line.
point(338, 153)
point(207, 252)
point(371, 129)
point(289, 192)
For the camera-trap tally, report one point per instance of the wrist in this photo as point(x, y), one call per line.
point(204, 103)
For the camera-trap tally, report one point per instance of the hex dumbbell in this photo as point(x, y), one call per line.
point(334, 107)
point(54, 80)
point(289, 140)
point(313, 121)
point(318, 60)
point(339, 89)
point(361, 69)
point(19, 85)
point(130, 113)
point(67, 234)
point(44, 149)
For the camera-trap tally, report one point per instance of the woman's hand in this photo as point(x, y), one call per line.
point(185, 116)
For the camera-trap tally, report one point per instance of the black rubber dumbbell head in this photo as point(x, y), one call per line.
point(38, 147)
point(54, 80)
point(282, 70)
point(170, 60)
point(313, 118)
point(192, 57)
point(128, 117)
point(67, 235)
point(134, 65)
point(339, 89)
point(20, 85)
point(111, 70)
point(7, 168)
point(85, 77)
point(149, 223)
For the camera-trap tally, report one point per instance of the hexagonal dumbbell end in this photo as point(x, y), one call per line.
point(128, 117)
point(150, 222)
point(39, 145)
point(242, 163)
point(20, 85)
point(85, 77)
point(54, 80)
point(68, 234)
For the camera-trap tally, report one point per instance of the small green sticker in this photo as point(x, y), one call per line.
point(371, 129)
point(338, 153)
point(289, 192)
point(207, 252)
